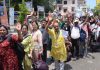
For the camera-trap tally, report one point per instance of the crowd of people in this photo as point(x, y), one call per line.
point(65, 37)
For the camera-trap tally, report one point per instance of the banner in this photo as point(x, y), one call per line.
point(90, 12)
point(11, 17)
point(41, 12)
point(1, 10)
point(78, 12)
point(29, 6)
point(40, 8)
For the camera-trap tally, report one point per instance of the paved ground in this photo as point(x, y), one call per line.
point(91, 62)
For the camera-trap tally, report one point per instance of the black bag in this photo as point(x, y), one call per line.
point(95, 46)
point(40, 65)
point(69, 57)
point(19, 49)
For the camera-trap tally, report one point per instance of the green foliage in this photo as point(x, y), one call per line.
point(48, 6)
point(23, 12)
point(97, 10)
point(15, 4)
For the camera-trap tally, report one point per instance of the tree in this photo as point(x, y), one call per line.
point(15, 3)
point(97, 10)
point(23, 12)
point(45, 3)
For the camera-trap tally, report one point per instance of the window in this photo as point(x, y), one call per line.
point(65, 2)
point(73, 8)
point(59, 8)
point(59, 1)
point(65, 10)
point(73, 1)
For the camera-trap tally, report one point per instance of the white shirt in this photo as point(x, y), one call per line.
point(97, 32)
point(75, 33)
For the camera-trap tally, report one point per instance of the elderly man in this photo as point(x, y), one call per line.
point(58, 50)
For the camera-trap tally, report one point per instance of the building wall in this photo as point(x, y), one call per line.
point(70, 6)
point(4, 17)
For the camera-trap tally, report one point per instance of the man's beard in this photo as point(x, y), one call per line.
point(57, 30)
point(43, 26)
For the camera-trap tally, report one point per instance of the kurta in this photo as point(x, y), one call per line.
point(58, 50)
point(37, 44)
point(8, 57)
point(27, 46)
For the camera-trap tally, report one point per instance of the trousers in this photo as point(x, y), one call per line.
point(59, 65)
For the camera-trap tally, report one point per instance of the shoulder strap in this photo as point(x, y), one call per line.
point(71, 28)
point(26, 36)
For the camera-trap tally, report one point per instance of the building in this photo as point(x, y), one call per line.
point(3, 14)
point(70, 5)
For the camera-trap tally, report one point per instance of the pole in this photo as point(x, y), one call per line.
point(3, 2)
point(32, 3)
point(9, 3)
point(0, 20)
point(9, 12)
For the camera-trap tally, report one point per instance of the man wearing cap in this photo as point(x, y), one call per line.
point(75, 35)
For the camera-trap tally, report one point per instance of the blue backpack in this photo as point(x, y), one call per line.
point(82, 35)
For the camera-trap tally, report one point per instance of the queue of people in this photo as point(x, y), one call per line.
point(67, 36)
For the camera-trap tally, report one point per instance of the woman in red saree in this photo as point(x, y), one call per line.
point(8, 57)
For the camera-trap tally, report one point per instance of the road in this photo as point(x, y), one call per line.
point(91, 62)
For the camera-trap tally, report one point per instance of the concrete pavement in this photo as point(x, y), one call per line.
point(91, 62)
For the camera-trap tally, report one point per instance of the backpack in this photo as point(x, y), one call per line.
point(19, 49)
point(82, 35)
